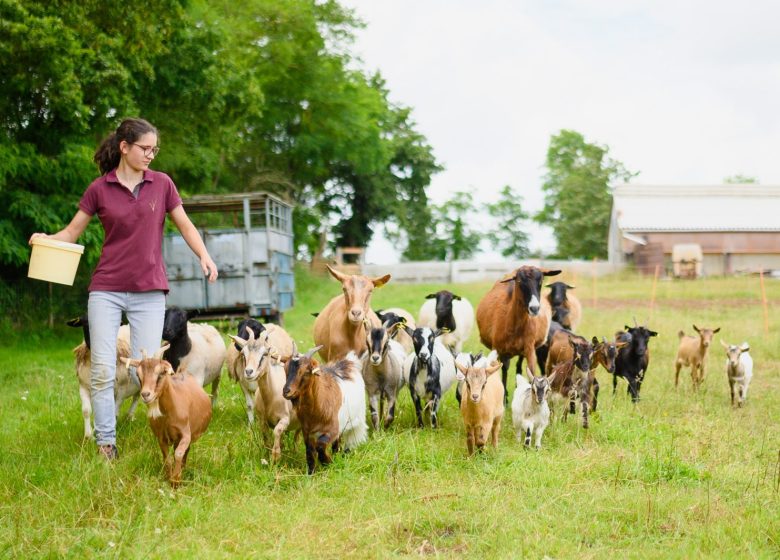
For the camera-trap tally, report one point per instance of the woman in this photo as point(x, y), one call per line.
point(131, 202)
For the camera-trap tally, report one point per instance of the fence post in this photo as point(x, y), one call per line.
point(655, 283)
point(593, 276)
point(763, 301)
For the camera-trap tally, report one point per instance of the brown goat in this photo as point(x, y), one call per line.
point(574, 377)
point(693, 352)
point(482, 405)
point(329, 401)
point(604, 354)
point(513, 320)
point(566, 307)
point(179, 410)
point(338, 328)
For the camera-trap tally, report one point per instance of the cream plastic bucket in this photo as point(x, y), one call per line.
point(54, 261)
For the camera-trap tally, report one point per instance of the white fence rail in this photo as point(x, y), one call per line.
point(454, 272)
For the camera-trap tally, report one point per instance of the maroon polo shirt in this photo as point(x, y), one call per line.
point(131, 260)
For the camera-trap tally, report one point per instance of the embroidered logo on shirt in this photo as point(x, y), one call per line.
point(152, 204)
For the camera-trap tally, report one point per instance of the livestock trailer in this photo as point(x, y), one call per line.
point(250, 238)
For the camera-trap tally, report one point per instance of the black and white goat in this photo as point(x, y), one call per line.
point(430, 372)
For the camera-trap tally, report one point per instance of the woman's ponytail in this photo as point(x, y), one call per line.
point(108, 154)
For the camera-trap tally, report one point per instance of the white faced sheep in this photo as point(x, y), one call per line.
point(739, 368)
point(429, 371)
point(124, 386)
point(530, 411)
point(196, 347)
point(451, 314)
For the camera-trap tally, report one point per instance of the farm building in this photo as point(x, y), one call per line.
point(736, 227)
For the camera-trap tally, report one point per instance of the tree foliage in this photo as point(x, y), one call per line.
point(458, 232)
point(740, 179)
point(247, 95)
point(578, 201)
point(508, 230)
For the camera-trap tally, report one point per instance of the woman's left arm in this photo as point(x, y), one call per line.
point(190, 234)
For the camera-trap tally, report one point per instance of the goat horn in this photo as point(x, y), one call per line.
point(635, 323)
point(251, 334)
point(160, 351)
point(313, 351)
point(144, 354)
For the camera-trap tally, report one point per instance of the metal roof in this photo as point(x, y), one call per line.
point(230, 201)
point(738, 207)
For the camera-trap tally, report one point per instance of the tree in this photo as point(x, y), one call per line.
point(577, 201)
point(739, 178)
point(328, 136)
point(68, 70)
point(509, 230)
point(457, 237)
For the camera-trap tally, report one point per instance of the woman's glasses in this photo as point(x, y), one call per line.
point(149, 151)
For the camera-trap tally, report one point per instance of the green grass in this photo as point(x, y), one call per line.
point(677, 476)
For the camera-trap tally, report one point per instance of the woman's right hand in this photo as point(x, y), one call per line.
point(34, 235)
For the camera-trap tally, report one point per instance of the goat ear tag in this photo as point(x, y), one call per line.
point(316, 371)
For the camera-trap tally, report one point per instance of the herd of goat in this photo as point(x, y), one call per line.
point(367, 356)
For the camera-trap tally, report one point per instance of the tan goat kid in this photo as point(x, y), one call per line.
point(482, 403)
point(339, 327)
point(693, 352)
point(178, 408)
point(262, 363)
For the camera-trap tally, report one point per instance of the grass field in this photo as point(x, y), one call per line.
point(679, 475)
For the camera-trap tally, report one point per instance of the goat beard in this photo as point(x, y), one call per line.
point(153, 409)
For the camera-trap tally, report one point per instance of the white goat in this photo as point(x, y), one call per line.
point(124, 386)
point(451, 314)
point(739, 368)
point(530, 411)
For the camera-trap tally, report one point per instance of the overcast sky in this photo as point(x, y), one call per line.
point(684, 92)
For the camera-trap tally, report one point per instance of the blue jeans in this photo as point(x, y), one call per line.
point(145, 311)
